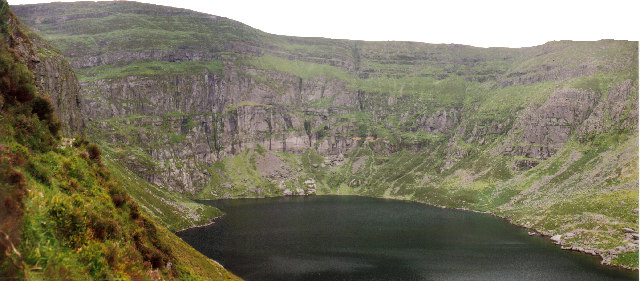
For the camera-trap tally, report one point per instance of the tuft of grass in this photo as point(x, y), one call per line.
point(629, 259)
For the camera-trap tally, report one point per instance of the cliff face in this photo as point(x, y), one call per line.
point(213, 108)
point(232, 87)
point(53, 75)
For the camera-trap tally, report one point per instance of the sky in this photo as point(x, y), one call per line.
point(481, 23)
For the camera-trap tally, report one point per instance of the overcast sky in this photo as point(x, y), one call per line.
point(482, 23)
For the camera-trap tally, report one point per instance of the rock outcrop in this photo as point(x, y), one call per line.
point(53, 75)
point(541, 131)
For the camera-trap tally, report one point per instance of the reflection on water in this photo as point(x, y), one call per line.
point(357, 238)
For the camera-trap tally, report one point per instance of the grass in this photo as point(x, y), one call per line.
point(80, 223)
point(150, 69)
point(302, 69)
point(193, 263)
point(172, 209)
point(629, 258)
point(237, 176)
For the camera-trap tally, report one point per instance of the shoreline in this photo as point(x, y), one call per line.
point(211, 221)
point(535, 231)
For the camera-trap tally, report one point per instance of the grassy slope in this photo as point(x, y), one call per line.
point(475, 81)
point(64, 217)
point(173, 210)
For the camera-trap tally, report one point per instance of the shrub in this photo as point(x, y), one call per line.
point(71, 223)
point(134, 211)
point(55, 126)
point(81, 141)
point(10, 205)
point(19, 194)
point(18, 159)
point(33, 133)
point(17, 179)
point(98, 226)
point(84, 155)
point(74, 186)
point(104, 173)
point(157, 260)
point(260, 149)
point(112, 255)
point(103, 228)
point(118, 195)
point(43, 108)
point(94, 152)
point(112, 228)
point(15, 80)
point(40, 172)
point(118, 200)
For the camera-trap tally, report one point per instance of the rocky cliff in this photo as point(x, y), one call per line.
point(207, 106)
point(53, 75)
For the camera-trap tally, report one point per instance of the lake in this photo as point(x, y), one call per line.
point(359, 238)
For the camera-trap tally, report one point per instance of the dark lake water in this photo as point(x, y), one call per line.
point(358, 238)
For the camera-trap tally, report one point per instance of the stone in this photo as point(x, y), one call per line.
point(628, 230)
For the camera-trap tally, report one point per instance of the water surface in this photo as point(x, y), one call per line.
point(358, 238)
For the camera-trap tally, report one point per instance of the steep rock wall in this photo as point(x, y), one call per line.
point(53, 75)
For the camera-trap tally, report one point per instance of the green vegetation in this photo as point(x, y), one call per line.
point(302, 69)
point(148, 69)
point(172, 209)
point(626, 258)
point(238, 176)
point(63, 214)
point(176, 138)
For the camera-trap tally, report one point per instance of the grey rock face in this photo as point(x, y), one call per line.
point(541, 130)
point(218, 116)
point(615, 112)
point(53, 76)
point(231, 112)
